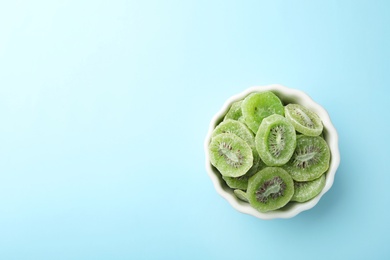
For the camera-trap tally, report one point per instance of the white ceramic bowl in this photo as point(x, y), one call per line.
point(287, 95)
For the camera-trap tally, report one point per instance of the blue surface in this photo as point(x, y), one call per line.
point(105, 106)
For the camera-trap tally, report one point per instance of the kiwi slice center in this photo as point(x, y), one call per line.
point(306, 120)
point(273, 188)
point(233, 158)
point(306, 157)
point(277, 140)
point(263, 112)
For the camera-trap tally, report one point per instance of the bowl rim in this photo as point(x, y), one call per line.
point(331, 137)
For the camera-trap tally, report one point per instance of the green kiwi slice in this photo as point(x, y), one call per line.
point(240, 194)
point(257, 106)
point(239, 129)
point(270, 189)
point(310, 159)
point(275, 140)
point(230, 154)
point(304, 191)
point(234, 112)
point(304, 120)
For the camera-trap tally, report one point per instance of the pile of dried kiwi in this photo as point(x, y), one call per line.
point(270, 154)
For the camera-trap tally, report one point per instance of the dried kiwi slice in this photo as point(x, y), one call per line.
point(230, 154)
point(305, 121)
point(275, 140)
point(304, 191)
point(258, 106)
point(310, 159)
point(270, 189)
point(239, 129)
point(234, 112)
point(240, 194)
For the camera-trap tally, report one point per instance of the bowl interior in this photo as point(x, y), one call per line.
point(286, 95)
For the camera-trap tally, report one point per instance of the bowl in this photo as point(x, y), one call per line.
point(286, 95)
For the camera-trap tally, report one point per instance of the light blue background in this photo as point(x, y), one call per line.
point(104, 107)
